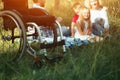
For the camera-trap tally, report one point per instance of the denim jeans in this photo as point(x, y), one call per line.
point(97, 29)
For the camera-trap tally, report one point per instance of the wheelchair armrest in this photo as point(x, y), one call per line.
point(37, 12)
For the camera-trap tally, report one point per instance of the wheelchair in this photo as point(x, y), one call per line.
point(16, 17)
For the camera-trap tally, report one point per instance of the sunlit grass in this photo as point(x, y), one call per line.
point(9, 49)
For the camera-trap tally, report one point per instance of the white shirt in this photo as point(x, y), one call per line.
point(101, 13)
point(37, 6)
point(82, 37)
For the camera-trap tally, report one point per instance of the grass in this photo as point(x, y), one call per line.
point(97, 61)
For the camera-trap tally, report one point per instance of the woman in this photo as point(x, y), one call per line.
point(99, 17)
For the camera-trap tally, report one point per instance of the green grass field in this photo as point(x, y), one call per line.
point(97, 61)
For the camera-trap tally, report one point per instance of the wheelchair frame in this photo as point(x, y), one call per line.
point(14, 17)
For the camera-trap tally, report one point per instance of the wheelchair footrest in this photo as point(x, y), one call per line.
point(51, 45)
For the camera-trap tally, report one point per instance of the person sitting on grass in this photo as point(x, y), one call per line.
point(99, 17)
point(84, 26)
point(76, 7)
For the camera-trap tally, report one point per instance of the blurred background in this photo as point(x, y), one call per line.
point(63, 9)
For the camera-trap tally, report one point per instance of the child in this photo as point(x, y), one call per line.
point(84, 26)
point(76, 7)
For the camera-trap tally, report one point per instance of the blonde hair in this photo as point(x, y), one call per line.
point(76, 4)
point(81, 19)
point(87, 3)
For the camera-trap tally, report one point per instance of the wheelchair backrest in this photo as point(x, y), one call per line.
point(22, 7)
point(19, 5)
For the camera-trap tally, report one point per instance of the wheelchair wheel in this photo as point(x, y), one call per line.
point(47, 37)
point(12, 36)
point(58, 49)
